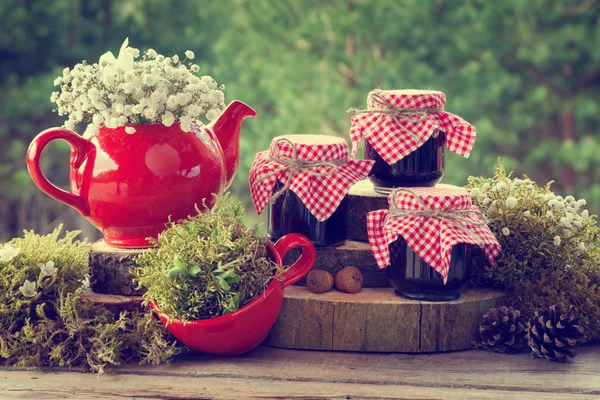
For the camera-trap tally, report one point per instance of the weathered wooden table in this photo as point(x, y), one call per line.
point(277, 373)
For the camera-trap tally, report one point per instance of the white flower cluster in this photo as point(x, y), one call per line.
point(121, 91)
point(30, 289)
point(507, 197)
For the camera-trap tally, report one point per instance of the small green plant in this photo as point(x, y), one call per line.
point(45, 321)
point(550, 247)
point(207, 265)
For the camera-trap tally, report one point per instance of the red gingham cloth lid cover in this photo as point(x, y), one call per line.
point(431, 238)
point(394, 137)
point(320, 194)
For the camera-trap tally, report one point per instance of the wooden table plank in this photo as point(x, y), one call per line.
point(277, 373)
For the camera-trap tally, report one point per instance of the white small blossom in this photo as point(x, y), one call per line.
point(185, 123)
point(565, 222)
point(217, 96)
point(130, 130)
point(47, 269)
point(585, 214)
point(190, 54)
point(29, 289)
point(194, 68)
point(505, 231)
point(474, 192)
point(580, 203)
point(151, 53)
point(557, 240)
point(581, 246)
point(549, 214)
point(175, 58)
point(569, 198)
point(168, 119)
point(527, 213)
point(499, 187)
point(511, 202)
point(8, 253)
point(485, 187)
point(210, 82)
point(486, 201)
point(212, 114)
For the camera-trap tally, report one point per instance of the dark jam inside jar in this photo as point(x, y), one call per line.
point(413, 278)
point(422, 167)
point(289, 215)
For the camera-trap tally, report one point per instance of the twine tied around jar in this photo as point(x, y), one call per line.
point(408, 114)
point(456, 218)
point(294, 165)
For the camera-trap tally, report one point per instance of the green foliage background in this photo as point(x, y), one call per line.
point(526, 73)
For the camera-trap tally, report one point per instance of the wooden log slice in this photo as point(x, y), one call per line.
point(362, 198)
point(110, 269)
point(377, 320)
point(334, 259)
point(114, 303)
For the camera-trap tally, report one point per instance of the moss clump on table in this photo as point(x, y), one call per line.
point(44, 321)
point(550, 252)
point(207, 265)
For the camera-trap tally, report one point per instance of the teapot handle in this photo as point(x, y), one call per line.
point(78, 146)
point(306, 261)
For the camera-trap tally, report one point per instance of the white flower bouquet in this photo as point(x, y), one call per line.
point(124, 91)
point(550, 247)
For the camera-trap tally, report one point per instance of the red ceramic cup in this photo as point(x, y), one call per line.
point(241, 331)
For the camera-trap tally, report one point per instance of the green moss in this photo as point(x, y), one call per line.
point(54, 326)
point(550, 252)
point(207, 265)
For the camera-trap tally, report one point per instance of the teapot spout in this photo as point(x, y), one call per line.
point(227, 129)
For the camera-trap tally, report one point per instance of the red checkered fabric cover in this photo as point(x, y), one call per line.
point(391, 137)
point(320, 194)
point(430, 237)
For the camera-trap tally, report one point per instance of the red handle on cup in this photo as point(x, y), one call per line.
point(307, 259)
point(79, 147)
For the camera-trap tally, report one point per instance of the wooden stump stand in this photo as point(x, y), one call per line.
point(377, 320)
point(374, 320)
point(110, 269)
point(362, 199)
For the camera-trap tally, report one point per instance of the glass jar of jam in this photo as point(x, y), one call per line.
point(289, 214)
point(413, 278)
point(424, 167)
point(406, 133)
point(303, 181)
point(426, 240)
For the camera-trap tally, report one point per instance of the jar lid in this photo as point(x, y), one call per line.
point(431, 221)
point(309, 147)
point(441, 197)
point(407, 98)
point(398, 122)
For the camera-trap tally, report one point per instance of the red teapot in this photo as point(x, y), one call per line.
point(130, 185)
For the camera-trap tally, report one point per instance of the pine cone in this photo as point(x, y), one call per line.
point(502, 330)
point(555, 336)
